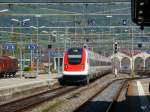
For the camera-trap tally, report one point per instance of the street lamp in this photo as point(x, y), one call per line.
point(110, 16)
point(1, 11)
point(132, 54)
point(48, 53)
point(37, 39)
point(57, 35)
point(20, 24)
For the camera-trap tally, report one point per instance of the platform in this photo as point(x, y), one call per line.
point(15, 88)
point(138, 95)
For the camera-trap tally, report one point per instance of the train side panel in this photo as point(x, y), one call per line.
point(98, 65)
point(2, 66)
point(14, 65)
point(8, 66)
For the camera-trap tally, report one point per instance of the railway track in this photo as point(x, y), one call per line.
point(110, 106)
point(116, 96)
point(72, 102)
point(33, 102)
point(30, 102)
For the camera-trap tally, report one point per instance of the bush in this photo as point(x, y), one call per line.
point(27, 69)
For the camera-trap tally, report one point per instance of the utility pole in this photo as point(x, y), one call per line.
point(20, 24)
point(132, 54)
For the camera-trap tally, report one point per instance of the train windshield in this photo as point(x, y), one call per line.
point(74, 55)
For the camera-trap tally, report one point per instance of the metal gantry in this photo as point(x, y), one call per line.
point(76, 29)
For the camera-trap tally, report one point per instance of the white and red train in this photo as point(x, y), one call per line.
point(80, 64)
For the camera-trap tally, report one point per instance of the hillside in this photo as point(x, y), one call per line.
point(85, 17)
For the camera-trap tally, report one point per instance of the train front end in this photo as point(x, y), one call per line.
point(75, 66)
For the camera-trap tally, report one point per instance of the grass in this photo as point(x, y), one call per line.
point(53, 106)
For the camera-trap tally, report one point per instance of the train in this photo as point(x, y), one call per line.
point(8, 66)
point(82, 65)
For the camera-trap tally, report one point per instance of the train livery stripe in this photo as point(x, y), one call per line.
point(75, 73)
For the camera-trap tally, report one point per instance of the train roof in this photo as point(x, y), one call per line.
point(93, 54)
point(98, 56)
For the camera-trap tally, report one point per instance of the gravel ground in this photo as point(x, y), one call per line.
point(71, 101)
point(103, 100)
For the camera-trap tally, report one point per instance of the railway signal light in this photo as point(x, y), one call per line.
point(139, 45)
point(87, 40)
point(141, 12)
point(49, 46)
point(115, 47)
point(124, 22)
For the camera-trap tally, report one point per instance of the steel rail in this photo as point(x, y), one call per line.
point(95, 95)
point(116, 96)
point(28, 102)
point(34, 101)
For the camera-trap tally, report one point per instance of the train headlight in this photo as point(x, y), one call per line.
point(66, 66)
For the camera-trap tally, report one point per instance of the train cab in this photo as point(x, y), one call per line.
point(82, 65)
point(75, 64)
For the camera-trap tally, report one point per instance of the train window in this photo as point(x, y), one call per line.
point(74, 59)
point(75, 51)
point(74, 55)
